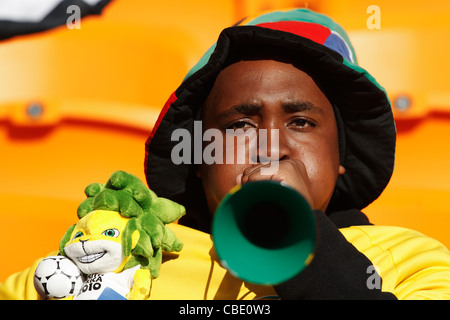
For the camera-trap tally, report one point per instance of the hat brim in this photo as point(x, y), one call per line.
point(369, 127)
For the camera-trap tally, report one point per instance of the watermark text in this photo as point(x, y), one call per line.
point(235, 146)
point(74, 20)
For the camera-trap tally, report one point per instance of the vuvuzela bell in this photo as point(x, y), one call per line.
point(264, 232)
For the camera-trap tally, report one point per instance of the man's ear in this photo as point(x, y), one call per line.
point(341, 170)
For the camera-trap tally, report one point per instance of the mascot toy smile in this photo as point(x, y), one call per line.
point(118, 241)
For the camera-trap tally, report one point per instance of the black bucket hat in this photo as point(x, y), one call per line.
point(367, 132)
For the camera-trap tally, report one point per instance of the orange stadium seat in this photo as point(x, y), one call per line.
point(77, 105)
point(410, 63)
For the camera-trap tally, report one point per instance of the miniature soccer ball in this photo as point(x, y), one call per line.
point(57, 277)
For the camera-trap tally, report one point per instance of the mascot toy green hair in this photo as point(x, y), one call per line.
point(119, 239)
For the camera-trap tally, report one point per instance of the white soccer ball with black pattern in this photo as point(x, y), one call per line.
point(57, 277)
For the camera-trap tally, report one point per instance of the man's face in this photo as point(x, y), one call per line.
point(267, 94)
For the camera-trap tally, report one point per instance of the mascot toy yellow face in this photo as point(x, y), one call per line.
point(122, 224)
point(96, 242)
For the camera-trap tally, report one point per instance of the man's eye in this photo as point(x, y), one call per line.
point(240, 125)
point(302, 123)
point(113, 233)
point(78, 235)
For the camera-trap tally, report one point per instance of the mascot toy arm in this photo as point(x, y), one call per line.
point(120, 236)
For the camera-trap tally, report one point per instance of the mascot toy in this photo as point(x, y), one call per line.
point(119, 239)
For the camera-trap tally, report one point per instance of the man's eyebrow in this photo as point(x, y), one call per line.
point(247, 109)
point(301, 106)
point(250, 109)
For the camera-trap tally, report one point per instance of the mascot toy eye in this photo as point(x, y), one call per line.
point(120, 236)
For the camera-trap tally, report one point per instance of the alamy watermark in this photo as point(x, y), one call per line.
point(374, 278)
point(74, 20)
point(236, 146)
point(374, 20)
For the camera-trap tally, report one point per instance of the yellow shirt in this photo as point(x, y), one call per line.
point(411, 265)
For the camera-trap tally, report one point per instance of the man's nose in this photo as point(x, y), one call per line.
point(272, 146)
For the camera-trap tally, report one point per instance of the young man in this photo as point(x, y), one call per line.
point(293, 73)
